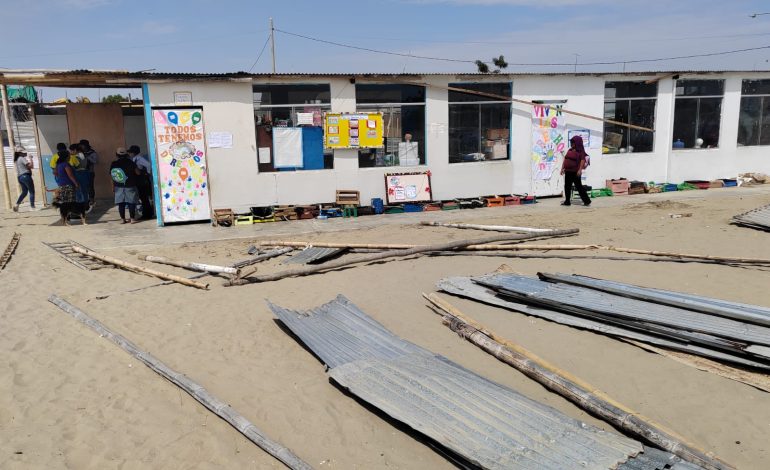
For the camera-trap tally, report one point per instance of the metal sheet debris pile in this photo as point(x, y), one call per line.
point(480, 423)
point(713, 328)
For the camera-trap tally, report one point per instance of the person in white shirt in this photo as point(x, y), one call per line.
point(144, 179)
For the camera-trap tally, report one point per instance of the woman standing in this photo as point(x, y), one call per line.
point(574, 163)
point(65, 194)
point(80, 165)
point(24, 175)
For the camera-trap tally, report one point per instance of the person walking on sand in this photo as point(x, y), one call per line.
point(24, 175)
point(124, 175)
point(572, 168)
point(144, 180)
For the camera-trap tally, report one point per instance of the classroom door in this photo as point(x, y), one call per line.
point(549, 145)
point(102, 125)
point(180, 151)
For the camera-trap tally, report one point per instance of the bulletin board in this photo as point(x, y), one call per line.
point(353, 131)
point(401, 188)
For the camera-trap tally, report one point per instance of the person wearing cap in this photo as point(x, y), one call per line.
point(124, 173)
point(24, 175)
point(93, 158)
point(144, 181)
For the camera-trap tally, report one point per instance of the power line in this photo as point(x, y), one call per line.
point(373, 50)
point(554, 64)
point(260, 54)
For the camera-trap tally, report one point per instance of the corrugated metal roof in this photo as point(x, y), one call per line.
point(485, 423)
point(465, 287)
point(758, 218)
point(314, 255)
point(707, 330)
point(707, 305)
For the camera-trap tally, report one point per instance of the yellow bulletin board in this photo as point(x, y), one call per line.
point(353, 130)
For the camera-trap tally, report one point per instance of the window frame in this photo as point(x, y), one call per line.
point(678, 97)
point(629, 99)
point(483, 101)
point(761, 120)
point(378, 107)
point(293, 109)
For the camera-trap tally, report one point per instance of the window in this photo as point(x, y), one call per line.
point(697, 113)
point(479, 126)
point(278, 106)
point(403, 121)
point(631, 103)
point(754, 120)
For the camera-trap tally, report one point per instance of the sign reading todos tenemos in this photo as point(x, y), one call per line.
point(182, 173)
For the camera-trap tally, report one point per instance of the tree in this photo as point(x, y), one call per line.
point(114, 99)
point(498, 62)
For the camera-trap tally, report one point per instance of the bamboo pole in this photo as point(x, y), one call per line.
point(262, 257)
point(40, 173)
point(10, 250)
point(208, 268)
point(517, 247)
point(304, 271)
point(491, 228)
point(572, 388)
point(4, 171)
point(508, 99)
point(194, 389)
point(139, 269)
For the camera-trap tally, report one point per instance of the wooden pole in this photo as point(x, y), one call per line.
point(509, 99)
point(304, 271)
point(262, 257)
point(573, 389)
point(515, 247)
point(194, 389)
point(139, 269)
point(208, 268)
point(491, 228)
point(6, 183)
point(40, 173)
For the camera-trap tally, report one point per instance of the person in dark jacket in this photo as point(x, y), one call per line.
point(124, 174)
point(575, 162)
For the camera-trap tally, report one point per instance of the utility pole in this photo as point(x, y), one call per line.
point(576, 60)
point(272, 42)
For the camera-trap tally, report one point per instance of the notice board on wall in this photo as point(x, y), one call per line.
point(180, 150)
point(401, 188)
point(353, 130)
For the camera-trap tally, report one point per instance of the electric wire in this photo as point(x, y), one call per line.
point(260, 54)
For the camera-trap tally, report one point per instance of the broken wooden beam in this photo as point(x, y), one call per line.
point(491, 228)
point(200, 267)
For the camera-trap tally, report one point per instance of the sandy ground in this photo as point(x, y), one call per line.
point(70, 399)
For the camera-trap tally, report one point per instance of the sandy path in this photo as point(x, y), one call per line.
point(69, 399)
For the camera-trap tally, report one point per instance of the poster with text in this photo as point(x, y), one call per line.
point(549, 145)
point(182, 172)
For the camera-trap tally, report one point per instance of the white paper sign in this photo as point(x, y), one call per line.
point(264, 154)
point(304, 119)
point(222, 140)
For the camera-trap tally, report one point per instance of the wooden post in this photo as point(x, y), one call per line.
point(208, 268)
point(491, 228)
point(6, 111)
point(40, 173)
point(573, 389)
point(139, 269)
point(194, 389)
point(389, 254)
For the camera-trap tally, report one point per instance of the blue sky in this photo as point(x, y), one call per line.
point(223, 35)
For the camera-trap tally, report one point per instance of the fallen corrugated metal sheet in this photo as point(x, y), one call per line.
point(707, 330)
point(484, 423)
point(314, 255)
point(465, 287)
point(758, 218)
point(737, 311)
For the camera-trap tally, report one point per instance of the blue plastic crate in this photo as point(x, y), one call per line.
point(412, 207)
point(377, 205)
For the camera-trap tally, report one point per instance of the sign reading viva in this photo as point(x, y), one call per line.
point(182, 174)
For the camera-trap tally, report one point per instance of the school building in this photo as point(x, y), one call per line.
point(236, 141)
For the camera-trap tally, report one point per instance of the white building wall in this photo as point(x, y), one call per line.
point(237, 184)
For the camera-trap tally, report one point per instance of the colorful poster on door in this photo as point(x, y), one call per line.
point(549, 144)
point(182, 172)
